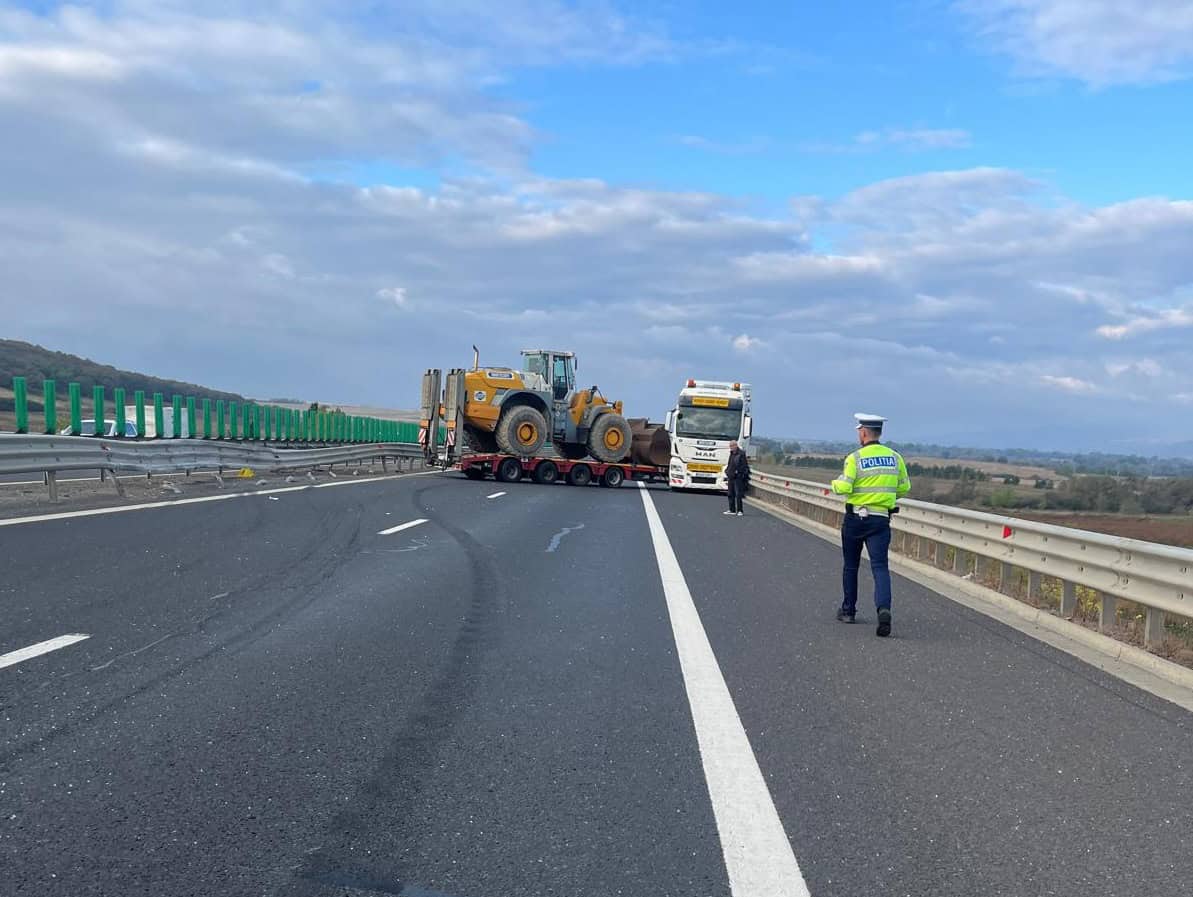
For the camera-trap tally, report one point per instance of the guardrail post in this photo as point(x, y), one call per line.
point(76, 408)
point(1006, 573)
point(206, 418)
point(159, 416)
point(52, 483)
point(1107, 611)
point(97, 402)
point(1035, 582)
point(233, 419)
point(1068, 598)
point(139, 401)
point(21, 402)
point(118, 401)
point(49, 400)
point(176, 404)
point(192, 425)
point(1153, 628)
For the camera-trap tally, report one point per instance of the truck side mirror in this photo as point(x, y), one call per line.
point(748, 427)
point(670, 425)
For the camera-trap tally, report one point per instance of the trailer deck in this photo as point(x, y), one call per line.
point(583, 472)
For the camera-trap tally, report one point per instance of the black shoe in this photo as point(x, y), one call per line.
point(884, 623)
point(843, 617)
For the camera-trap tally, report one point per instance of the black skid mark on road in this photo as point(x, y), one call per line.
point(332, 545)
point(392, 790)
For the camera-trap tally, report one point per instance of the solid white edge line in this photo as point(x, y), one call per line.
point(14, 657)
point(757, 851)
point(495, 495)
point(120, 509)
point(410, 524)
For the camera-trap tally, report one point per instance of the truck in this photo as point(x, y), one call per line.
point(708, 415)
point(130, 414)
point(496, 421)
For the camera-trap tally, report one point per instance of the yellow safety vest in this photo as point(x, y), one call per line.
point(874, 477)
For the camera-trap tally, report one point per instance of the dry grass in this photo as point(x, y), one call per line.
point(1167, 530)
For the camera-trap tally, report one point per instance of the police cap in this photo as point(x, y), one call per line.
point(869, 421)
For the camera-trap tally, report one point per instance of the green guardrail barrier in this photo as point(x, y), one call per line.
point(159, 416)
point(139, 402)
point(21, 404)
point(220, 419)
point(49, 400)
point(76, 407)
point(118, 401)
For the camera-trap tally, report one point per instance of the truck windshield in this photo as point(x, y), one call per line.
point(709, 423)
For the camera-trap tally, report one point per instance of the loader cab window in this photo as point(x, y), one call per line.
point(561, 382)
point(537, 364)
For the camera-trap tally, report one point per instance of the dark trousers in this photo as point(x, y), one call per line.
point(737, 491)
point(874, 533)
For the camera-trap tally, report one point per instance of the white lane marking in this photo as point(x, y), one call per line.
point(12, 657)
point(758, 854)
point(410, 524)
point(558, 537)
point(120, 509)
point(495, 495)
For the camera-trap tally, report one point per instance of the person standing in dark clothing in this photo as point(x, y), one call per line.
point(737, 474)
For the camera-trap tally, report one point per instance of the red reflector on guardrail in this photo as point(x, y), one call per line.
point(1007, 532)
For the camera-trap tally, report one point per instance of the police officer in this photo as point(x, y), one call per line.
point(874, 478)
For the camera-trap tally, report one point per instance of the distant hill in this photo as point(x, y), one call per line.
point(34, 363)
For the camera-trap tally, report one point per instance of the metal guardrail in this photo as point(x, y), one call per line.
point(1159, 577)
point(62, 454)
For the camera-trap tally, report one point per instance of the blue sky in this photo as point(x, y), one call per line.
point(973, 216)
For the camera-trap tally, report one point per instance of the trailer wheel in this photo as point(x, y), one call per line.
point(580, 475)
point(474, 473)
point(614, 476)
point(509, 470)
point(546, 473)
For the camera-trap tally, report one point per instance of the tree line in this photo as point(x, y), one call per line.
point(35, 364)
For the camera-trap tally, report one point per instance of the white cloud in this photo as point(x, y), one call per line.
point(746, 343)
point(1068, 384)
point(1144, 367)
point(1165, 319)
point(915, 138)
point(394, 295)
point(1100, 42)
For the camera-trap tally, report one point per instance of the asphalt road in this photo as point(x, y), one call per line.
point(274, 699)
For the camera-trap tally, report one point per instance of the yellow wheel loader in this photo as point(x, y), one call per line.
point(518, 412)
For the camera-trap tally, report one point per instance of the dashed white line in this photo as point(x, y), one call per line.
point(758, 854)
point(410, 524)
point(13, 657)
point(495, 495)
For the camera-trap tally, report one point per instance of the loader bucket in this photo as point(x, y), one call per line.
point(650, 443)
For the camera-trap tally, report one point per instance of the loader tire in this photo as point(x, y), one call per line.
point(522, 431)
point(609, 438)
